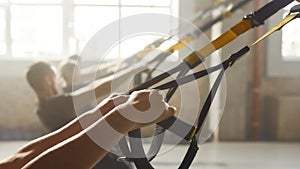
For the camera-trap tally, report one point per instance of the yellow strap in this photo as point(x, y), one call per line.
point(221, 41)
point(192, 134)
point(147, 50)
point(227, 37)
point(282, 23)
point(230, 35)
point(181, 43)
point(173, 48)
point(218, 43)
point(144, 52)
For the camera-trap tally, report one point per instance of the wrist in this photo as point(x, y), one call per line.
point(119, 122)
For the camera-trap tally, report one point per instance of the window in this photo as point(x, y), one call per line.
point(36, 1)
point(283, 52)
point(36, 31)
point(161, 3)
point(2, 32)
point(290, 45)
point(54, 29)
point(88, 20)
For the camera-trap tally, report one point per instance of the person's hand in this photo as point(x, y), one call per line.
point(142, 108)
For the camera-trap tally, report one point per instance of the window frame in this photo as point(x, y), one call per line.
point(68, 7)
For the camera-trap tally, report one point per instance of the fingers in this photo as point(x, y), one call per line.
point(120, 99)
point(114, 95)
point(151, 108)
point(112, 101)
point(169, 112)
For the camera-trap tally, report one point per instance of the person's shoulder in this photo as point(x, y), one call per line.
point(59, 99)
point(56, 104)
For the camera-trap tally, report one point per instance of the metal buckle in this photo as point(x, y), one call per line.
point(252, 17)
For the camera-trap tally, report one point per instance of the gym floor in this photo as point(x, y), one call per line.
point(224, 155)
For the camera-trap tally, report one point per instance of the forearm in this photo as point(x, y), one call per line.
point(69, 130)
point(40, 145)
point(37, 146)
point(84, 149)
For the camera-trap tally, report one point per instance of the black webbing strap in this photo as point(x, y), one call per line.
point(137, 146)
point(159, 131)
point(193, 148)
point(190, 154)
point(173, 120)
point(268, 10)
point(257, 18)
point(188, 78)
point(162, 56)
point(137, 149)
point(295, 9)
point(158, 78)
point(225, 65)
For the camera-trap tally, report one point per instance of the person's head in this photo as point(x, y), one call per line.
point(67, 72)
point(42, 77)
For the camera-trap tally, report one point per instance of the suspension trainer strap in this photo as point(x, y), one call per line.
point(248, 22)
point(281, 24)
point(189, 156)
point(161, 57)
point(159, 131)
point(193, 148)
point(150, 47)
point(192, 60)
point(177, 123)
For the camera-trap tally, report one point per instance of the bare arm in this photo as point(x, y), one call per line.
point(81, 151)
point(37, 146)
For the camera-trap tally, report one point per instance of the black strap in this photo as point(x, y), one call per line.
point(257, 18)
point(185, 128)
point(209, 100)
point(137, 146)
point(181, 81)
point(158, 139)
point(268, 10)
point(137, 149)
point(190, 154)
point(158, 78)
point(162, 56)
point(193, 148)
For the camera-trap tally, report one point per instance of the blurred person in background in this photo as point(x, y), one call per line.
point(56, 108)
